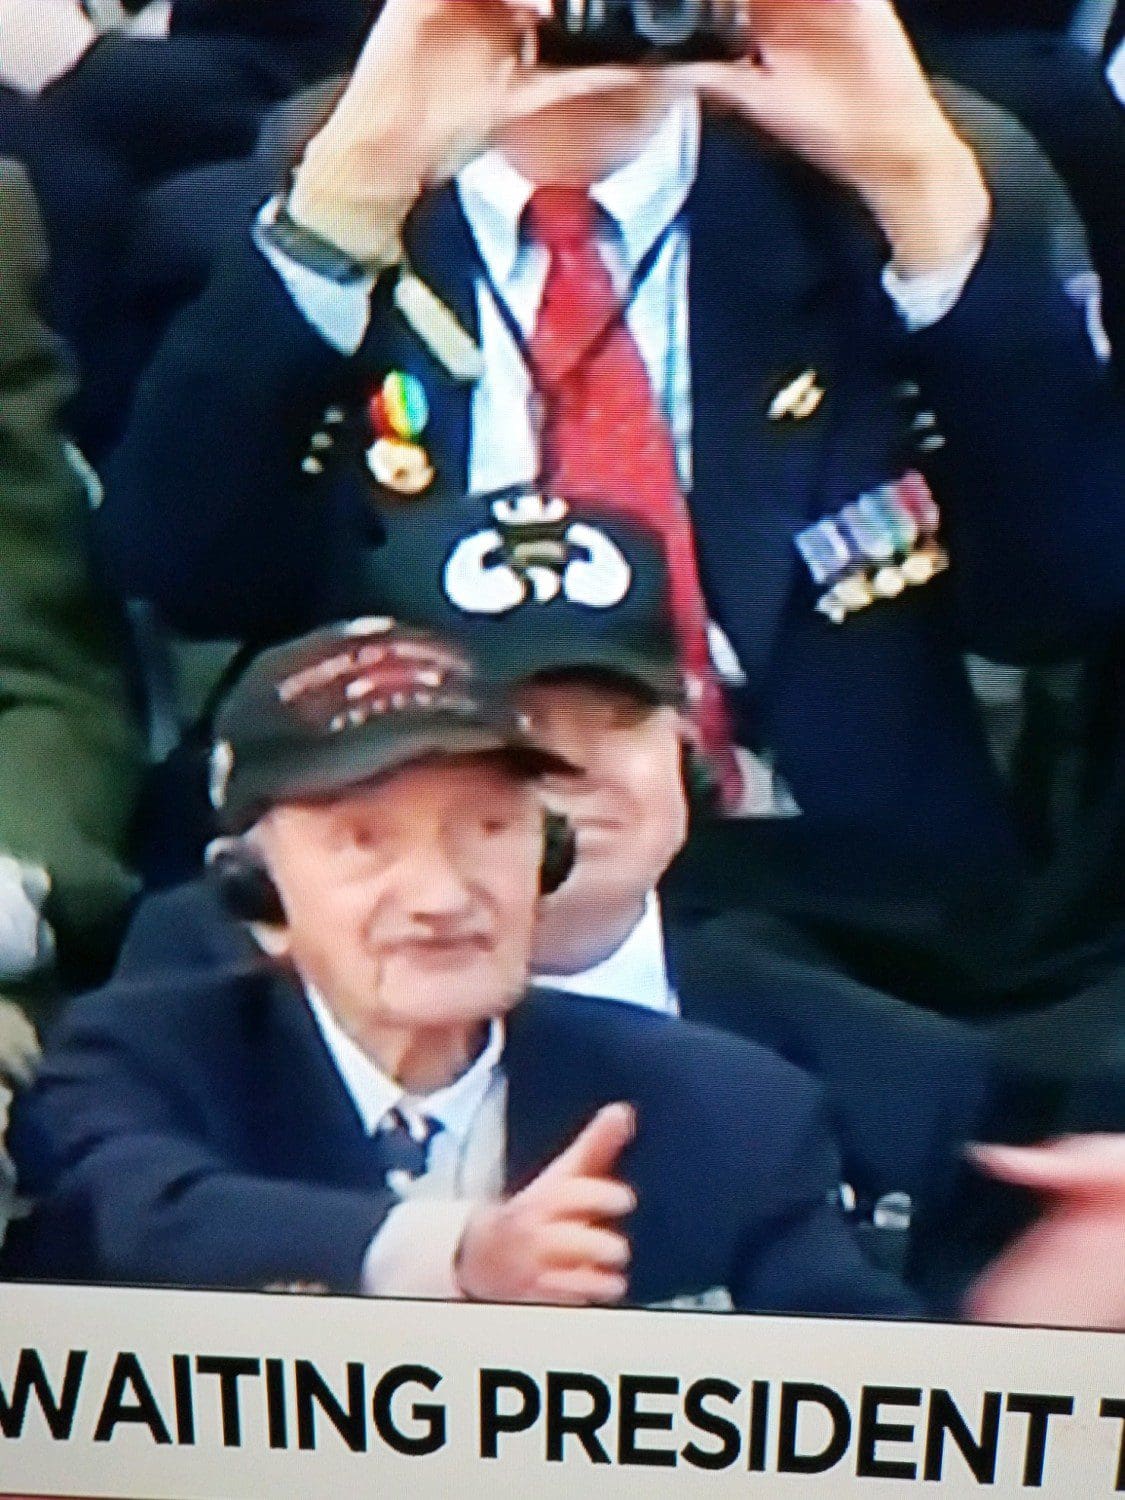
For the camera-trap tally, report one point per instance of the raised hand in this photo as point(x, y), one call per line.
point(838, 83)
point(436, 80)
point(1069, 1267)
point(550, 1243)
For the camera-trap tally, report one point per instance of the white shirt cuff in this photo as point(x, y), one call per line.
point(413, 1253)
point(340, 313)
point(924, 300)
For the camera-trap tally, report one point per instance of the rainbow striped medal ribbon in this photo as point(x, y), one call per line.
point(399, 412)
point(877, 547)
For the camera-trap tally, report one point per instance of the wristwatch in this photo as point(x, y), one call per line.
point(310, 249)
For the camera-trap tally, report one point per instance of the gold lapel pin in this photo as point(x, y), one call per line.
point(797, 399)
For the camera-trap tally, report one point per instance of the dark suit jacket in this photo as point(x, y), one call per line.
point(194, 1130)
point(210, 515)
point(903, 1088)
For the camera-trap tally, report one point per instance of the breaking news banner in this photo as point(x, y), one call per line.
point(170, 1395)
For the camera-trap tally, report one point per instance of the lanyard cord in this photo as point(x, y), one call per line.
point(637, 281)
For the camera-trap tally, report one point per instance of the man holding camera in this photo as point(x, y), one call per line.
point(804, 342)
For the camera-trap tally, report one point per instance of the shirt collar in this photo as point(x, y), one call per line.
point(374, 1094)
point(643, 197)
point(636, 972)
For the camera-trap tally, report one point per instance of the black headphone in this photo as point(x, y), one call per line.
point(559, 853)
point(248, 893)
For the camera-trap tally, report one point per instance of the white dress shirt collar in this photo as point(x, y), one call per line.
point(636, 973)
point(374, 1094)
point(643, 197)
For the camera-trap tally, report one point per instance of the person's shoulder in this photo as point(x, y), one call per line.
point(167, 1011)
point(180, 929)
point(660, 1050)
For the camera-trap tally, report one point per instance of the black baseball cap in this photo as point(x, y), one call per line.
point(350, 702)
point(534, 585)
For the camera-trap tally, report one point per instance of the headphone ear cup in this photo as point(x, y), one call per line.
point(559, 852)
point(244, 885)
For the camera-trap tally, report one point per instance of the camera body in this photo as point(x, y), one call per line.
point(586, 32)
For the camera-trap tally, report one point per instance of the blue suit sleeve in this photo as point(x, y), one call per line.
point(131, 1188)
point(207, 512)
point(1030, 479)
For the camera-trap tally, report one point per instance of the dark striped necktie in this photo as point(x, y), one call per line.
point(402, 1150)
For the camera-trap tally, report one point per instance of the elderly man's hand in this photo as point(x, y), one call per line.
point(1069, 1267)
point(436, 80)
point(549, 1242)
point(838, 82)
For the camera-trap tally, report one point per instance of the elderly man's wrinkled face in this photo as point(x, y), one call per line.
point(410, 900)
point(626, 804)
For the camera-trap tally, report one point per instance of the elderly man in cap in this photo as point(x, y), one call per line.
point(377, 1106)
point(570, 608)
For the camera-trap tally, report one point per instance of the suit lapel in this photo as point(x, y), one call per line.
point(760, 316)
point(305, 1105)
point(550, 1096)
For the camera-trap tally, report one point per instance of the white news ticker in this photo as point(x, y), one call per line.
point(178, 1395)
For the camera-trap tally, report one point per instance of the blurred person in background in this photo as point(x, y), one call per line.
point(181, 82)
point(131, 101)
point(70, 750)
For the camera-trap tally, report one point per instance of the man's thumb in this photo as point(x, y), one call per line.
point(594, 1152)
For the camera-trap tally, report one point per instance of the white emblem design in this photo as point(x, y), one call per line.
point(533, 555)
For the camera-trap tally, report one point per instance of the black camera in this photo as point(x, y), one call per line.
point(584, 32)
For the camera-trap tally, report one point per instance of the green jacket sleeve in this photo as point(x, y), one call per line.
point(71, 753)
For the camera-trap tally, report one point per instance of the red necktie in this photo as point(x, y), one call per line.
point(605, 440)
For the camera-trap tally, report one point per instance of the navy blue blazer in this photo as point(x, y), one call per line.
point(195, 1131)
point(903, 1088)
point(872, 723)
